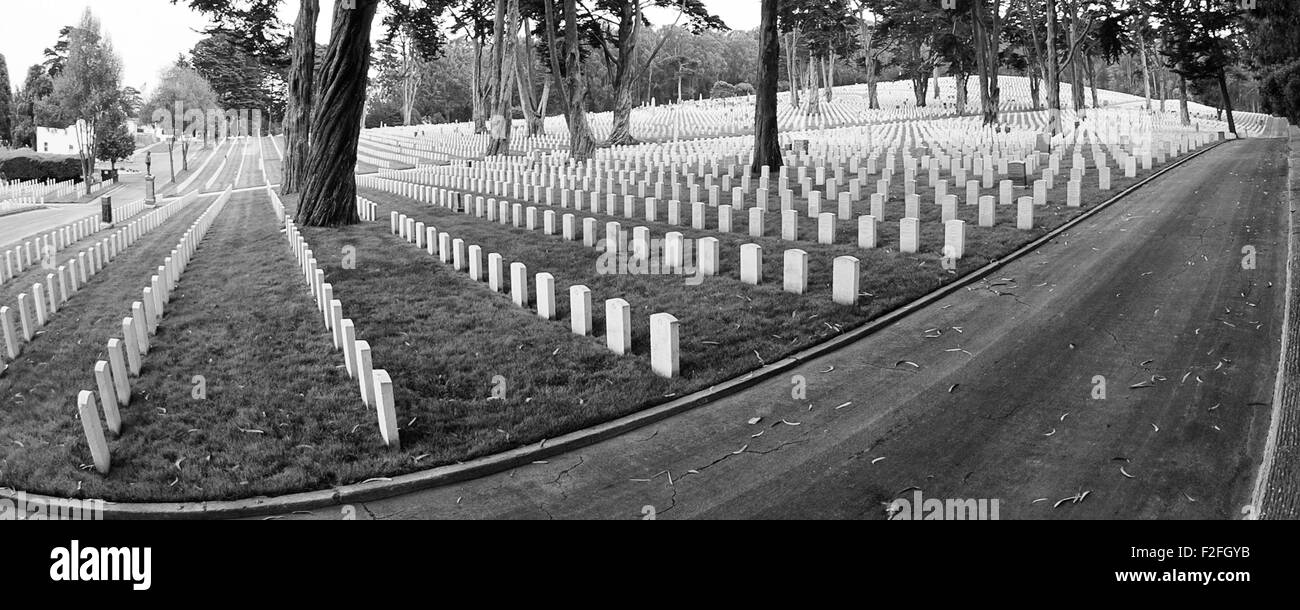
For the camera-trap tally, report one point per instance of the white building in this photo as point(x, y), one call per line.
point(65, 141)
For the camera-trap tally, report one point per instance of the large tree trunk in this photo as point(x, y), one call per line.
point(987, 36)
point(1146, 72)
point(1036, 88)
point(767, 145)
point(297, 124)
point(1162, 90)
point(830, 77)
point(870, 63)
point(814, 87)
point(1035, 71)
point(1092, 79)
point(961, 82)
point(792, 62)
point(920, 86)
point(1227, 100)
point(1184, 117)
point(479, 108)
point(499, 142)
point(581, 142)
point(1052, 73)
point(330, 189)
point(629, 22)
point(1076, 67)
point(534, 113)
point(410, 79)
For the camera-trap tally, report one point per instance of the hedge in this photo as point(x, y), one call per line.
point(29, 165)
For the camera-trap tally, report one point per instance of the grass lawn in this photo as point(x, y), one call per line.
point(41, 439)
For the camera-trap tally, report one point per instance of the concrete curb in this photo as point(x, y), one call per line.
point(24, 210)
point(1286, 394)
point(446, 475)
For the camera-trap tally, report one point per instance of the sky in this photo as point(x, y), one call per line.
point(149, 34)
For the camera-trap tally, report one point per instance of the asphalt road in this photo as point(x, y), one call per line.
point(992, 393)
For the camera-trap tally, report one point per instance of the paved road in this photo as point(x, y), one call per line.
point(1004, 403)
point(131, 188)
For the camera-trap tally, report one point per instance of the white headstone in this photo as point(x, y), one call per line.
point(495, 272)
point(580, 310)
point(790, 225)
point(108, 397)
point(846, 280)
point(909, 235)
point(117, 363)
point(1025, 214)
point(519, 284)
point(987, 211)
point(710, 256)
point(90, 423)
point(867, 232)
point(665, 354)
point(546, 305)
point(954, 239)
point(826, 228)
point(618, 326)
point(385, 409)
point(365, 376)
point(796, 271)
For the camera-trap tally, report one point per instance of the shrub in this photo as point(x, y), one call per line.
point(745, 89)
point(722, 89)
point(1281, 91)
point(26, 164)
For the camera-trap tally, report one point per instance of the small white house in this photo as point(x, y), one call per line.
point(70, 140)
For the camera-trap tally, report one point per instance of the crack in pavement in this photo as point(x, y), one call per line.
point(566, 471)
point(698, 471)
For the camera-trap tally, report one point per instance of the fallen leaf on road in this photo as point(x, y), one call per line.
point(877, 460)
point(1053, 432)
point(1155, 427)
point(755, 420)
point(843, 405)
point(1074, 498)
point(1125, 473)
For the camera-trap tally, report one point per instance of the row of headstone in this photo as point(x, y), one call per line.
point(497, 210)
point(126, 355)
point(367, 210)
point(664, 344)
point(34, 249)
point(33, 310)
point(375, 385)
point(615, 238)
point(35, 191)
